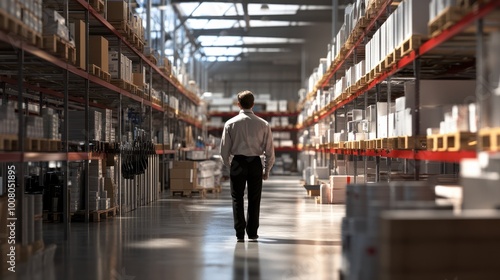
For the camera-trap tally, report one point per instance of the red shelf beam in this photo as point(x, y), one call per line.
point(405, 61)
point(443, 156)
point(104, 22)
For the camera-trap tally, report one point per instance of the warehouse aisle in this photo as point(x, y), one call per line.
point(192, 238)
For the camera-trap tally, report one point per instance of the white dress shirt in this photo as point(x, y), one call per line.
point(247, 135)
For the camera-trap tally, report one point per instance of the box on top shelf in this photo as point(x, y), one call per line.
point(118, 11)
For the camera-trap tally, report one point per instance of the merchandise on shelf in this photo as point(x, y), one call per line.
point(99, 55)
point(123, 72)
point(76, 131)
point(50, 124)
point(75, 184)
point(9, 122)
point(34, 127)
point(77, 30)
point(55, 24)
point(118, 11)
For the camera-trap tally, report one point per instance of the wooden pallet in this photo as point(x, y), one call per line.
point(412, 142)
point(33, 144)
point(54, 145)
point(447, 18)
point(152, 58)
point(57, 46)
point(188, 193)
point(372, 144)
point(52, 217)
point(452, 141)
point(410, 44)
point(382, 143)
point(392, 143)
point(217, 189)
point(98, 5)
point(489, 139)
point(123, 27)
point(96, 216)
point(8, 143)
point(33, 37)
point(392, 58)
point(98, 72)
point(125, 85)
point(10, 23)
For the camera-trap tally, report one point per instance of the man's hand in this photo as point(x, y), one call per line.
point(265, 176)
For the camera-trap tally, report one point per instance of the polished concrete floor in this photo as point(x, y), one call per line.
point(193, 238)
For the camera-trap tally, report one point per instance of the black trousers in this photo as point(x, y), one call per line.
point(246, 170)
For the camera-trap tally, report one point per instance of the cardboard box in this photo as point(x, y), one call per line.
point(138, 79)
point(183, 173)
point(118, 11)
point(78, 31)
point(99, 54)
point(185, 164)
point(181, 184)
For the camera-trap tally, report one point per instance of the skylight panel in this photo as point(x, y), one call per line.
point(212, 9)
point(273, 9)
point(218, 51)
point(188, 8)
point(219, 40)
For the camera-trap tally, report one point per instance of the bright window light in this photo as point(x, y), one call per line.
point(212, 9)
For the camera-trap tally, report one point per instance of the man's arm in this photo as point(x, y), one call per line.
point(225, 146)
point(269, 152)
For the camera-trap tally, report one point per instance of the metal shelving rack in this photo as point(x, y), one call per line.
point(410, 65)
point(53, 79)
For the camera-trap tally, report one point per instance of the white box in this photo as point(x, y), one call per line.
point(416, 17)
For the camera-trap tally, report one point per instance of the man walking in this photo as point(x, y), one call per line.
point(245, 138)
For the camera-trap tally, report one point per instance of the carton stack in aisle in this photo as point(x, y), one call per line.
point(75, 188)
point(110, 187)
point(191, 175)
point(98, 196)
point(206, 174)
point(183, 175)
point(360, 226)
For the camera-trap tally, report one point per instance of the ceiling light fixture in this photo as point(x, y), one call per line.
point(264, 7)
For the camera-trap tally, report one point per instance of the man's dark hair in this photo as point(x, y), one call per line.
point(246, 99)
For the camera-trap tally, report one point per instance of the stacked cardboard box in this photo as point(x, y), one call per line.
point(183, 175)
